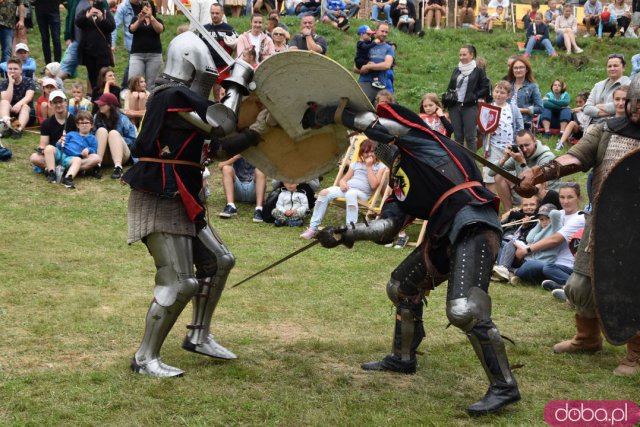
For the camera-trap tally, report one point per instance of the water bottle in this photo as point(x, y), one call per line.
point(37, 169)
point(59, 173)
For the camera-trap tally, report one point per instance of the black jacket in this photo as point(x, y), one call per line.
point(93, 44)
point(478, 86)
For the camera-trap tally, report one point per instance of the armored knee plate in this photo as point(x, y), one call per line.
point(465, 313)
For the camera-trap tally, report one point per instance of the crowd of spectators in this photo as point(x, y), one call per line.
point(92, 28)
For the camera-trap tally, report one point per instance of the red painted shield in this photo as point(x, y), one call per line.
point(488, 117)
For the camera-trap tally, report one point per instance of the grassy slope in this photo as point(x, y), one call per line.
point(73, 298)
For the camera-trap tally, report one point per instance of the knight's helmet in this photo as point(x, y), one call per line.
point(190, 63)
point(633, 96)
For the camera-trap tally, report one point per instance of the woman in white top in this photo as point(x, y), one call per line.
point(566, 28)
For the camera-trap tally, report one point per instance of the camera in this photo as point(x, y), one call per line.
point(515, 148)
point(146, 4)
point(98, 5)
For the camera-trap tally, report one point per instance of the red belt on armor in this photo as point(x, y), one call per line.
point(452, 190)
point(173, 162)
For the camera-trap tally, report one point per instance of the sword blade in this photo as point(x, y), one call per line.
point(280, 261)
point(497, 169)
point(205, 34)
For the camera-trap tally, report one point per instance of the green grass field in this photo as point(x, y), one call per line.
point(73, 296)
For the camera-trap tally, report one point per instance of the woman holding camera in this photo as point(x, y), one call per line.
point(471, 85)
point(94, 50)
point(146, 47)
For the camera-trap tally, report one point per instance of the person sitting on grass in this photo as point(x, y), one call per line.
point(75, 151)
point(114, 130)
point(484, 22)
point(78, 102)
point(16, 100)
point(538, 37)
point(556, 113)
point(135, 99)
point(435, 9)
point(335, 13)
point(566, 26)
point(54, 127)
point(578, 124)
point(359, 183)
point(292, 206)
point(43, 109)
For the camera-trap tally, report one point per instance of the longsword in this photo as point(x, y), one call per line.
point(497, 169)
point(280, 261)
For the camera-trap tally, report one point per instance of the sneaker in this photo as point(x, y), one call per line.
point(586, 35)
point(401, 242)
point(550, 285)
point(559, 294)
point(279, 222)
point(525, 55)
point(309, 234)
point(559, 146)
point(546, 135)
point(502, 271)
point(389, 245)
point(578, 50)
point(296, 223)
point(51, 176)
point(228, 212)
point(554, 54)
point(97, 172)
point(67, 181)
point(378, 84)
point(257, 215)
point(515, 281)
point(117, 172)
point(16, 134)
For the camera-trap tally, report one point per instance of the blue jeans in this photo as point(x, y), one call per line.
point(49, 24)
point(536, 271)
point(69, 62)
point(352, 196)
point(6, 40)
point(375, 11)
point(556, 116)
point(532, 43)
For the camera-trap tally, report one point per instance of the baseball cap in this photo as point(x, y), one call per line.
point(546, 209)
point(22, 46)
point(107, 99)
point(364, 29)
point(48, 81)
point(57, 94)
point(402, 2)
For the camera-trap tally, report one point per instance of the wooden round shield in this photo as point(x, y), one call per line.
point(285, 84)
point(615, 261)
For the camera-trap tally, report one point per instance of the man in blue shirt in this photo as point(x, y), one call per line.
point(380, 59)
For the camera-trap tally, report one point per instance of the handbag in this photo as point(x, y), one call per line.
point(450, 98)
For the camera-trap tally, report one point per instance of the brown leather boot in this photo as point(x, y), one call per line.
point(587, 340)
point(630, 365)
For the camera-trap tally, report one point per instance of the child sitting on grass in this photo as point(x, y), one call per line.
point(75, 151)
point(78, 102)
point(292, 206)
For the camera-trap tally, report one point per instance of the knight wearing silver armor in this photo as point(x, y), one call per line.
point(432, 178)
point(165, 210)
point(600, 148)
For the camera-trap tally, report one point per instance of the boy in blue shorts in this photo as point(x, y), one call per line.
point(75, 151)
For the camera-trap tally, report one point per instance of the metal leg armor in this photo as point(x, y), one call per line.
point(175, 285)
point(406, 290)
point(469, 308)
point(213, 263)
